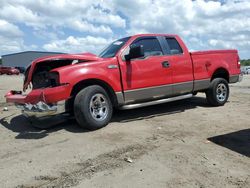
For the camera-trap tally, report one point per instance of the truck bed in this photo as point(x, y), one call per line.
point(205, 62)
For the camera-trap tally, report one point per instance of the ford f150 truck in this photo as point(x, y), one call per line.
point(131, 72)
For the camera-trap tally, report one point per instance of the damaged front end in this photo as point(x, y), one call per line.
point(41, 109)
point(42, 115)
point(48, 96)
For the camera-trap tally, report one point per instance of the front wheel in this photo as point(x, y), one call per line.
point(93, 108)
point(218, 92)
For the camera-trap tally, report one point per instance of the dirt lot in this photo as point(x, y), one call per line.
point(179, 144)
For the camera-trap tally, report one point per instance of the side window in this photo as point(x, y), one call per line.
point(151, 46)
point(174, 46)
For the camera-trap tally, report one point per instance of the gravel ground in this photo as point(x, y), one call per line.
point(180, 144)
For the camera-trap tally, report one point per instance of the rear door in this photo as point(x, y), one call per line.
point(149, 77)
point(181, 65)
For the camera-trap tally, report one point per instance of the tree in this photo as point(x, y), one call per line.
point(245, 62)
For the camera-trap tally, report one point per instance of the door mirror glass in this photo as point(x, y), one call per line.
point(135, 52)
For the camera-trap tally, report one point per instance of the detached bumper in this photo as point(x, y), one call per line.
point(40, 105)
point(44, 116)
point(42, 110)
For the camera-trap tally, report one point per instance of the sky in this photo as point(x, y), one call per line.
point(74, 26)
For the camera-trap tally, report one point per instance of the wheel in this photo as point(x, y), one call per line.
point(218, 92)
point(93, 108)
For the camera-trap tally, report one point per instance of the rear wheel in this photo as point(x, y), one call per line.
point(93, 108)
point(218, 92)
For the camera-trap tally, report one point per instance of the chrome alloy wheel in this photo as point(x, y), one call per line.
point(98, 107)
point(221, 92)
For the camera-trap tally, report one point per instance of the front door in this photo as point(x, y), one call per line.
point(149, 77)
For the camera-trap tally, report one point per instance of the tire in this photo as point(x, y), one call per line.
point(93, 108)
point(218, 92)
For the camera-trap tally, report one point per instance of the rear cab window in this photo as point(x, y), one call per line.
point(174, 47)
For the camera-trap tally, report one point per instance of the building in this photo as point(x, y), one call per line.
point(23, 59)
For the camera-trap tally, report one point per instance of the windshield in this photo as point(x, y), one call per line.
point(113, 48)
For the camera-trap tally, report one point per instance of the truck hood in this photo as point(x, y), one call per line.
point(82, 57)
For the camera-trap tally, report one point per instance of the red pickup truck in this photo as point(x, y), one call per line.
point(131, 72)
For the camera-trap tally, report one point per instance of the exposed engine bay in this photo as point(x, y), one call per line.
point(43, 78)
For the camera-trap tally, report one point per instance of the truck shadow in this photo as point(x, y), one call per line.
point(19, 124)
point(124, 116)
point(236, 141)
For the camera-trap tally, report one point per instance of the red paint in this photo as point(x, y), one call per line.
point(206, 63)
point(131, 75)
point(47, 95)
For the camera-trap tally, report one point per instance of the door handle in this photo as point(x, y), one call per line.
point(165, 64)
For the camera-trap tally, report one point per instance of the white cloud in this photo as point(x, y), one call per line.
point(203, 24)
point(211, 23)
point(76, 15)
point(101, 16)
point(88, 27)
point(19, 13)
point(78, 44)
point(8, 45)
point(9, 30)
point(10, 37)
point(13, 45)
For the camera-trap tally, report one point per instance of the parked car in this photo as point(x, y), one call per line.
point(21, 69)
point(131, 72)
point(247, 71)
point(9, 70)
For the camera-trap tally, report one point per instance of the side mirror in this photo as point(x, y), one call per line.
point(135, 52)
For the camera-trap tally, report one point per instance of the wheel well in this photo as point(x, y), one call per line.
point(221, 73)
point(82, 84)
